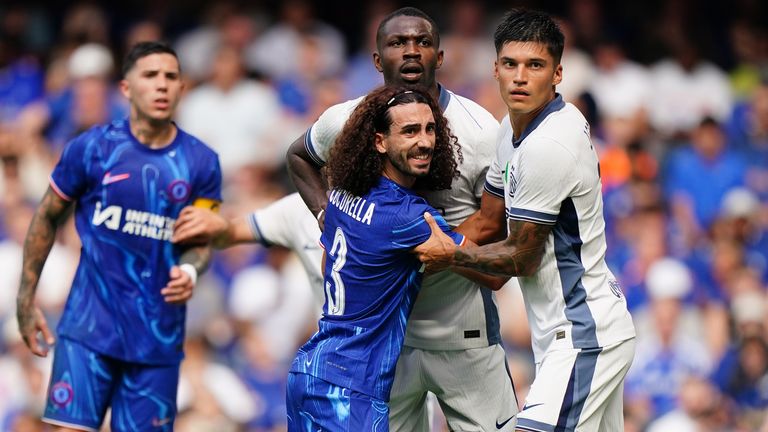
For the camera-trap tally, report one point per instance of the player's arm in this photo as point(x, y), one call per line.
point(489, 281)
point(193, 262)
point(518, 255)
point(37, 245)
point(306, 176)
point(486, 225)
point(199, 225)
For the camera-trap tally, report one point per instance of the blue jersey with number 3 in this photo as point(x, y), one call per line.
point(371, 281)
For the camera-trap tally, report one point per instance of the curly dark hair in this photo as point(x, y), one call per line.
point(354, 164)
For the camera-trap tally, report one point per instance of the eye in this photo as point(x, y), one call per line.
point(431, 128)
point(396, 43)
point(425, 43)
point(536, 65)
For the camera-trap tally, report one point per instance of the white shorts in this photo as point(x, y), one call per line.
point(473, 387)
point(579, 390)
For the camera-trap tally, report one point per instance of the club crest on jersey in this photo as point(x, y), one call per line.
point(615, 288)
point(509, 178)
point(62, 394)
point(179, 191)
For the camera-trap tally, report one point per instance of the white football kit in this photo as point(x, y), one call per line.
point(288, 222)
point(453, 318)
point(582, 333)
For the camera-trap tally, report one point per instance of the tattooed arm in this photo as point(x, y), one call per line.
point(37, 245)
point(183, 278)
point(518, 255)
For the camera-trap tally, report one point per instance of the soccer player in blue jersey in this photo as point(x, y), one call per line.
point(396, 139)
point(452, 346)
point(122, 330)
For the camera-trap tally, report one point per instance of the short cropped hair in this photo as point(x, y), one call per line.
point(524, 25)
point(143, 49)
point(411, 12)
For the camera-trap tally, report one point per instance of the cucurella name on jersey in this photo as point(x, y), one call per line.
point(352, 205)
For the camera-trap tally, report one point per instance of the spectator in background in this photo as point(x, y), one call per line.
point(667, 352)
point(687, 89)
point(234, 115)
point(742, 372)
point(579, 67)
point(700, 409)
point(697, 178)
point(621, 87)
point(89, 99)
point(748, 131)
point(276, 53)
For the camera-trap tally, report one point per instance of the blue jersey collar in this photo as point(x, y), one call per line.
point(555, 104)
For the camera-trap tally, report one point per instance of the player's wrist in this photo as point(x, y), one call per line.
point(190, 270)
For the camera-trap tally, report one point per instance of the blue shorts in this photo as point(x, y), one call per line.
point(84, 383)
point(314, 404)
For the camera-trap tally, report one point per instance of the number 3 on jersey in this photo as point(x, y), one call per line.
point(339, 256)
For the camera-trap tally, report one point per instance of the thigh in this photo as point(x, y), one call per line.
point(317, 405)
point(145, 398)
point(474, 388)
point(573, 387)
point(81, 386)
point(408, 411)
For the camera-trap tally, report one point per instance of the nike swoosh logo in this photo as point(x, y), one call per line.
point(531, 406)
point(501, 425)
point(161, 422)
point(109, 178)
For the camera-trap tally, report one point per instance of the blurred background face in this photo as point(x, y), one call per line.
point(408, 53)
point(153, 87)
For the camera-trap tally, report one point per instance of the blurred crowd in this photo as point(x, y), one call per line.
point(677, 96)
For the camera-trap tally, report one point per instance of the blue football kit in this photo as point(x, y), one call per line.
point(115, 323)
point(341, 378)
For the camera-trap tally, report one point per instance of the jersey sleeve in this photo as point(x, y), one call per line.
point(494, 177)
point(323, 133)
point(276, 223)
point(209, 181)
point(69, 178)
point(545, 178)
point(416, 231)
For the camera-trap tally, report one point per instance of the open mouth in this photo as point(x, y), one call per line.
point(519, 93)
point(411, 70)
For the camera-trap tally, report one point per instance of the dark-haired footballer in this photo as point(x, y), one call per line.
point(121, 334)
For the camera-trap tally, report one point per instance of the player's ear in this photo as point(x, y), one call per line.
point(440, 56)
point(381, 146)
point(377, 62)
point(558, 77)
point(496, 70)
point(125, 88)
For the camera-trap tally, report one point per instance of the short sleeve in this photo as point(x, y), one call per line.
point(70, 176)
point(276, 224)
point(544, 179)
point(416, 231)
point(320, 137)
point(209, 184)
point(494, 181)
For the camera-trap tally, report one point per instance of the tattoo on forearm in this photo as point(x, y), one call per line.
point(37, 245)
point(519, 255)
point(198, 256)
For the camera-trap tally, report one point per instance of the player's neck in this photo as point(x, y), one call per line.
point(153, 134)
point(391, 172)
point(520, 121)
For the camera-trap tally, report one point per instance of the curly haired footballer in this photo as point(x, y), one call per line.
point(354, 164)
